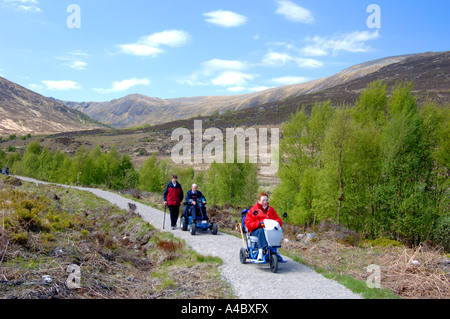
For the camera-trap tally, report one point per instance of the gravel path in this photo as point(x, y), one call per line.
point(250, 281)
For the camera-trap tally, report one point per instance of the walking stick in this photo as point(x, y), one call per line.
point(164, 223)
point(242, 235)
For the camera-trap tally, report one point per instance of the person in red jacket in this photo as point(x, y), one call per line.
point(173, 196)
point(254, 221)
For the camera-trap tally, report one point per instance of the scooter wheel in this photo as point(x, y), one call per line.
point(193, 229)
point(214, 229)
point(183, 223)
point(274, 263)
point(243, 255)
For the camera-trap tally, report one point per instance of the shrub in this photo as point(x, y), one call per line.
point(20, 238)
point(441, 232)
point(384, 242)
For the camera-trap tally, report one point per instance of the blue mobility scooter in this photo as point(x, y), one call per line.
point(250, 249)
point(187, 222)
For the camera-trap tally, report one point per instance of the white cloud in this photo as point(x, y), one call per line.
point(75, 60)
point(351, 42)
point(212, 68)
point(140, 50)
point(223, 73)
point(232, 78)
point(313, 51)
point(227, 19)
point(64, 85)
point(274, 59)
point(288, 80)
point(171, 38)
point(29, 8)
point(218, 64)
point(78, 65)
point(124, 85)
point(308, 63)
point(294, 12)
point(22, 5)
point(232, 75)
point(151, 45)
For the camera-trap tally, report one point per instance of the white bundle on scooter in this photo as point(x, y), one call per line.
point(273, 232)
point(270, 224)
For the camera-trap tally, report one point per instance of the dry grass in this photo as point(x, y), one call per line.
point(120, 255)
point(416, 273)
point(337, 249)
point(412, 273)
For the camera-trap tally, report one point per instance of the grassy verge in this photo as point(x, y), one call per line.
point(411, 273)
point(357, 286)
point(46, 229)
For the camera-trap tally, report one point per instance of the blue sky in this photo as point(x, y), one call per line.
point(180, 48)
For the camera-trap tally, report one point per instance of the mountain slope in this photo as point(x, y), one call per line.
point(23, 111)
point(429, 72)
point(138, 110)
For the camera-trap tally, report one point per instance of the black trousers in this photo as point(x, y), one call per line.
point(202, 212)
point(174, 212)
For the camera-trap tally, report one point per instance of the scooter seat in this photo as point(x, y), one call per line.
point(253, 239)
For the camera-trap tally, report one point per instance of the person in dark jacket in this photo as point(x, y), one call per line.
point(173, 196)
point(196, 201)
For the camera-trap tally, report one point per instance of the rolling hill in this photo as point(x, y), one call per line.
point(429, 73)
point(137, 110)
point(23, 111)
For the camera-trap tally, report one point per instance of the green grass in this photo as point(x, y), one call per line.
point(86, 229)
point(355, 285)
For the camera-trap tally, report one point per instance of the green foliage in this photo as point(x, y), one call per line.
point(371, 108)
point(441, 232)
point(186, 177)
point(380, 167)
point(20, 238)
point(151, 176)
point(231, 183)
point(436, 121)
point(33, 214)
point(337, 148)
point(384, 242)
point(301, 162)
point(86, 167)
point(402, 101)
point(404, 192)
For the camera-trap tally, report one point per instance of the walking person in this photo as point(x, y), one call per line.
point(173, 196)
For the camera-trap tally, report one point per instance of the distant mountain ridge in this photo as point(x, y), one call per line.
point(137, 109)
point(429, 74)
point(23, 111)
